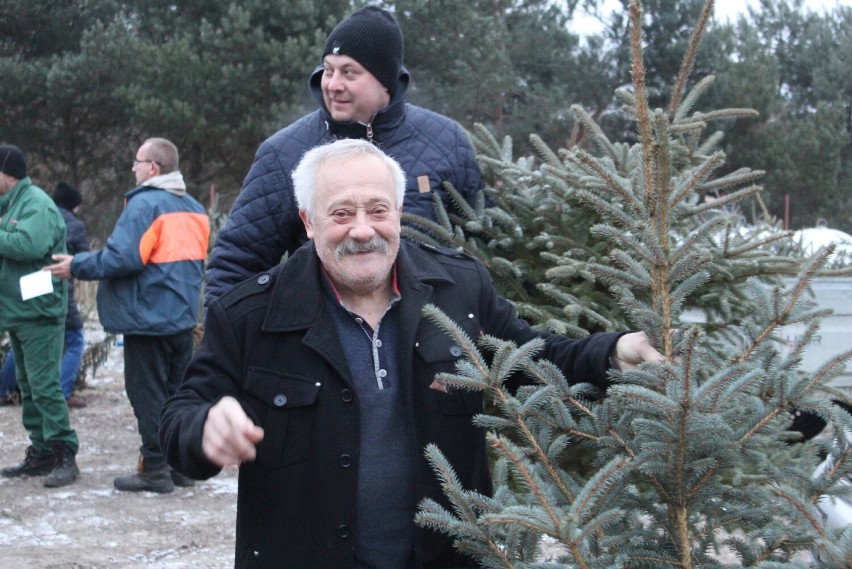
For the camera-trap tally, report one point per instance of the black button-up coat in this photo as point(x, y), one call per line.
point(271, 344)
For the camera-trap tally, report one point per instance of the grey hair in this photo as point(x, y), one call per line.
point(305, 174)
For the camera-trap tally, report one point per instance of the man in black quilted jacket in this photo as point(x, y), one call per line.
point(360, 86)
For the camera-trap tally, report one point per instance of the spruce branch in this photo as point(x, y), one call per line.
point(441, 320)
point(784, 315)
point(804, 509)
point(599, 168)
point(829, 369)
point(605, 208)
point(726, 114)
point(736, 178)
point(689, 58)
point(548, 156)
point(684, 107)
point(637, 72)
point(696, 177)
point(598, 136)
point(518, 462)
point(735, 252)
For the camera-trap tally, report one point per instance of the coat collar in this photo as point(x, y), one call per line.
point(12, 195)
point(297, 300)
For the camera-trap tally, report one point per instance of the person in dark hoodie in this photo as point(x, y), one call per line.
point(360, 87)
point(67, 198)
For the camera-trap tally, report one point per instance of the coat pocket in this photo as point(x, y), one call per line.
point(439, 353)
point(284, 405)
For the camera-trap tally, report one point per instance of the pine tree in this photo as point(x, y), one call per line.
point(692, 459)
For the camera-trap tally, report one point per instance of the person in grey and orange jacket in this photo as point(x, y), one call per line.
point(151, 273)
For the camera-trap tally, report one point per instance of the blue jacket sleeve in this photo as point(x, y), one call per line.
point(120, 257)
point(260, 228)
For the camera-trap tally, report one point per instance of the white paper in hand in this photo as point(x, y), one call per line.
point(36, 284)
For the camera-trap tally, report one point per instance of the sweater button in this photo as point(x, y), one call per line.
point(345, 460)
point(280, 400)
point(262, 279)
point(456, 351)
point(346, 395)
point(343, 531)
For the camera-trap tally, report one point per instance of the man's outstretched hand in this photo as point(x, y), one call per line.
point(229, 435)
point(62, 267)
point(633, 349)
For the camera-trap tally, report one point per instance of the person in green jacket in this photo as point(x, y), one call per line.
point(31, 230)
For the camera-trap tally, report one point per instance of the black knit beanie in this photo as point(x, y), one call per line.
point(66, 196)
point(12, 161)
point(372, 37)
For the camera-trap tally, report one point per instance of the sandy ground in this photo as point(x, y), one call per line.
point(90, 524)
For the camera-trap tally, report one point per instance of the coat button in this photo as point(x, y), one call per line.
point(280, 400)
point(346, 395)
point(345, 460)
point(456, 351)
point(263, 279)
point(343, 530)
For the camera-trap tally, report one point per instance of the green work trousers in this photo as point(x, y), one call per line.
point(38, 356)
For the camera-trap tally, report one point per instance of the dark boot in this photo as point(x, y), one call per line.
point(11, 398)
point(181, 480)
point(66, 470)
point(146, 479)
point(33, 465)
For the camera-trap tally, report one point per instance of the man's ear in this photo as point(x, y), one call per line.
point(306, 221)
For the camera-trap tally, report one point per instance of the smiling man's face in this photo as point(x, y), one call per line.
point(350, 92)
point(355, 223)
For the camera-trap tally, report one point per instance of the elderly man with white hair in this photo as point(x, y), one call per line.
point(317, 378)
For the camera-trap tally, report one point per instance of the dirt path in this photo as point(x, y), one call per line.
point(90, 524)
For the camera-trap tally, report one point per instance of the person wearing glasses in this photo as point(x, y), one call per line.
point(150, 274)
point(360, 86)
point(33, 306)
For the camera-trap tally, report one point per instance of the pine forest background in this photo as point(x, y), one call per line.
point(631, 176)
point(87, 80)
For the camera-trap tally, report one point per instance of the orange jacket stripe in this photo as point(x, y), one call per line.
point(179, 236)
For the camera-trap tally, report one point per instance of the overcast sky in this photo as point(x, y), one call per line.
point(724, 9)
point(729, 8)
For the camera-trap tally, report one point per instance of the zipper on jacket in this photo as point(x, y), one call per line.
point(369, 127)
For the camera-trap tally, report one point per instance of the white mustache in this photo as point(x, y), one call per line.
point(374, 245)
